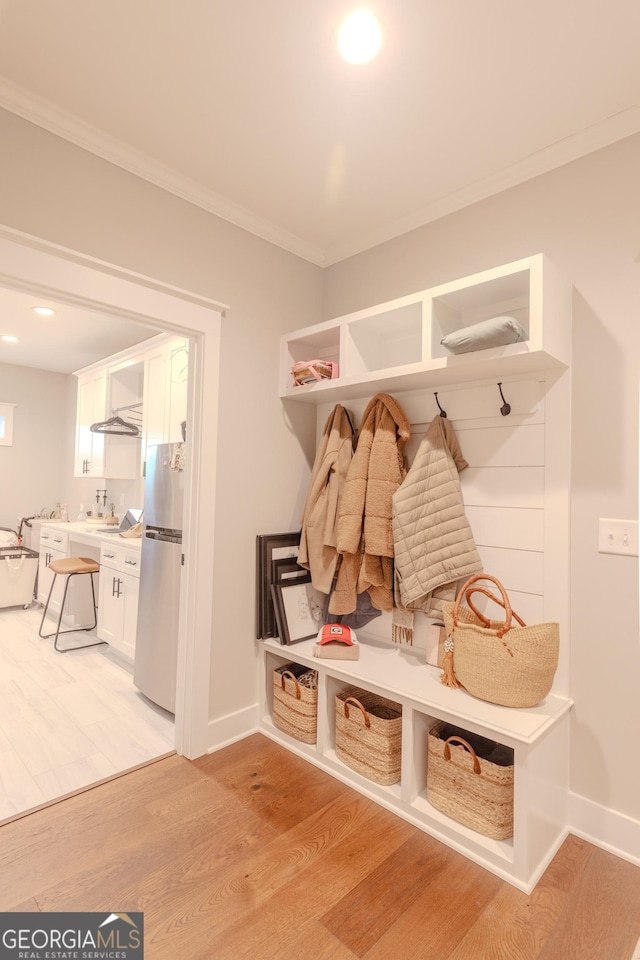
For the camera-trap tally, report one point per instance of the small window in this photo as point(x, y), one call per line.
point(6, 424)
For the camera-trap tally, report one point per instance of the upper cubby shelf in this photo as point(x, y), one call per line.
point(397, 345)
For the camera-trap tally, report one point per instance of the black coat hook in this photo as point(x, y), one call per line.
point(443, 413)
point(505, 409)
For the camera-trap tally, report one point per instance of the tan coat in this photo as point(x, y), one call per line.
point(318, 539)
point(365, 536)
point(434, 545)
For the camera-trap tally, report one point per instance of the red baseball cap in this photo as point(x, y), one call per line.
point(336, 631)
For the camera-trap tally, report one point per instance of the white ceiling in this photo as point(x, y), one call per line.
point(245, 107)
point(68, 341)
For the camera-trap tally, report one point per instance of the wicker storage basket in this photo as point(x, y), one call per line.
point(295, 702)
point(369, 734)
point(473, 785)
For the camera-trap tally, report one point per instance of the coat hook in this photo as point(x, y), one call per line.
point(505, 409)
point(443, 413)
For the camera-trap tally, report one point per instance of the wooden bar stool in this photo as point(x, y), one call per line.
point(71, 567)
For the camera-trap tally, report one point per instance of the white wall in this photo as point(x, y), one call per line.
point(31, 470)
point(585, 216)
point(56, 191)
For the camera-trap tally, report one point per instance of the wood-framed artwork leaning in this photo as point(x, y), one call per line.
point(299, 609)
point(276, 556)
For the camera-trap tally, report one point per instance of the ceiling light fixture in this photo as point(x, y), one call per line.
point(359, 38)
point(8, 339)
point(44, 311)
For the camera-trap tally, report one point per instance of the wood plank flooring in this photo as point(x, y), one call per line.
point(253, 853)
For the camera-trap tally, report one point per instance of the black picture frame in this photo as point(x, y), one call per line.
point(298, 609)
point(269, 548)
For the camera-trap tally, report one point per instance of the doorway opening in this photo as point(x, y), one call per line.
point(69, 277)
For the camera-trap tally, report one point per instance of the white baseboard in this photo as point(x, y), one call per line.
point(235, 726)
point(612, 831)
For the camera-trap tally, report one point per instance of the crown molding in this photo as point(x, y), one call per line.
point(46, 115)
point(616, 127)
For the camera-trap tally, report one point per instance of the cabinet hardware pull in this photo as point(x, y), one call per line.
point(132, 563)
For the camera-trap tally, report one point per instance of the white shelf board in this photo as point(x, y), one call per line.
point(515, 359)
point(400, 673)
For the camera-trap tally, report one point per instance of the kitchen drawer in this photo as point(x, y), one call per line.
point(54, 539)
point(120, 558)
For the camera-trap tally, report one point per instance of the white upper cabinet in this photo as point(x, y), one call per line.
point(397, 345)
point(145, 386)
point(91, 408)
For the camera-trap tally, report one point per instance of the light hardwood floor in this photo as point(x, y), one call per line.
point(253, 854)
point(67, 720)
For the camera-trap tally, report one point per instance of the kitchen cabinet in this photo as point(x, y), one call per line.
point(91, 408)
point(118, 610)
point(165, 392)
point(55, 545)
point(146, 385)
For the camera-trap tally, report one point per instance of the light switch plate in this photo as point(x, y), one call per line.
point(618, 536)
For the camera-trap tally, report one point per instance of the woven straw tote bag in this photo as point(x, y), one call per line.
point(369, 734)
point(295, 704)
point(508, 663)
point(473, 785)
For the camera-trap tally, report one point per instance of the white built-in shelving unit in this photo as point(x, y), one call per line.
point(516, 494)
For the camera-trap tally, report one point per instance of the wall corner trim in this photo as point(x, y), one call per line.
point(223, 731)
point(612, 831)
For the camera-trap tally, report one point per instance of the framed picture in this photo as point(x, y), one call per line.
point(298, 608)
point(272, 547)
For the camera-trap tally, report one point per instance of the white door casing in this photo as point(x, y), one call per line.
point(58, 273)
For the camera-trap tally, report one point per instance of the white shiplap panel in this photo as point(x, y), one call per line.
point(521, 570)
point(514, 528)
point(503, 447)
point(481, 401)
point(503, 486)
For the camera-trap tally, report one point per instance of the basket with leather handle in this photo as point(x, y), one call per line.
point(295, 702)
point(369, 734)
point(502, 661)
point(473, 782)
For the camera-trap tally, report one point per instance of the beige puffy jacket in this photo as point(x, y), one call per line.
point(365, 537)
point(434, 545)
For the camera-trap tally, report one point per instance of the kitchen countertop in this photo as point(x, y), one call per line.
point(82, 532)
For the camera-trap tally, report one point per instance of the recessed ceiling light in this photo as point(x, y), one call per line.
point(8, 339)
point(44, 311)
point(359, 38)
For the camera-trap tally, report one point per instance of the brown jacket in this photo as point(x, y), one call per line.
point(318, 551)
point(365, 535)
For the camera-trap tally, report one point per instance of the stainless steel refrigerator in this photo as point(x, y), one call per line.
point(154, 671)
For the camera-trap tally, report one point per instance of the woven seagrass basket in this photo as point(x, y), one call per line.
point(498, 660)
point(470, 779)
point(295, 702)
point(369, 734)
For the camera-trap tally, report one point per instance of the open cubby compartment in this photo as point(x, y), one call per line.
point(333, 686)
point(499, 852)
point(126, 386)
point(386, 337)
point(321, 342)
point(462, 303)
